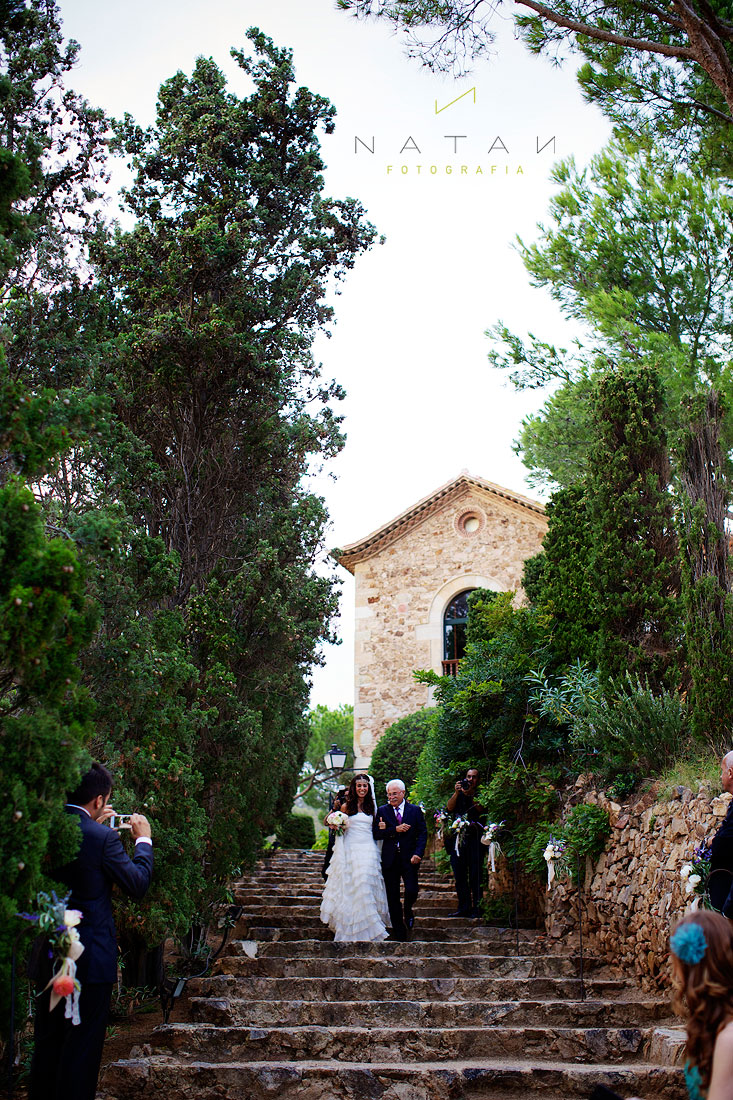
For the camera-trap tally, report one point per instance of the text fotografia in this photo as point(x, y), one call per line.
point(454, 169)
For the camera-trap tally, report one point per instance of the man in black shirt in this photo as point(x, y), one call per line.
point(465, 851)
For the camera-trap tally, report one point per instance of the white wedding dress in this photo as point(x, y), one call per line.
point(354, 904)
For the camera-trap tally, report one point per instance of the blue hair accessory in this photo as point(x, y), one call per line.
point(689, 944)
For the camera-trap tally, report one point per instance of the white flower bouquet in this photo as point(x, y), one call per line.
point(489, 839)
point(338, 821)
point(555, 852)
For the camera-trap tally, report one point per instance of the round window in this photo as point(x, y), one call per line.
point(469, 522)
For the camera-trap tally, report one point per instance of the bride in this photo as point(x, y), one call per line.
point(354, 904)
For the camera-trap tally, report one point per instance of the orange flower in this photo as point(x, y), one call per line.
point(63, 985)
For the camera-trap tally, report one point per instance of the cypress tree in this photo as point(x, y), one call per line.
point(634, 560)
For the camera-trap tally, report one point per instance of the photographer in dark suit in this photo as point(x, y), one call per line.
point(66, 1057)
point(401, 826)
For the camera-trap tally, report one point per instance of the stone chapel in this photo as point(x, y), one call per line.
point(413, 577)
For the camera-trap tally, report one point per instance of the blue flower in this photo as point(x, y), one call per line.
point(688, 943)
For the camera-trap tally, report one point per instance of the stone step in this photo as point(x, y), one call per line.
point(410, 989)
point(271, 895)
point(244, 1012)
point(496, 944)
point(468, 930)
point(191, 1042)
point(403, 968)
point(311, 881)
point(297, 914)
point(308, 919)
point(499, 1079)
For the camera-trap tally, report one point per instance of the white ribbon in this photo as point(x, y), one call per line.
point(493, 848)
point(550, 873)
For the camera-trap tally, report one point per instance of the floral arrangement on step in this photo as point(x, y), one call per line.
point(59, 925)
point(338, 821)
point(490, 838)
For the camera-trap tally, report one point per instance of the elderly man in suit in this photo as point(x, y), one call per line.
point(401, 826)
point(66, 1056)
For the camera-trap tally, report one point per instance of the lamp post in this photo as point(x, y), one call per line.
point(335, 759)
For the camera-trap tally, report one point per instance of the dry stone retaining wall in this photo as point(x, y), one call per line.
point(634, 895)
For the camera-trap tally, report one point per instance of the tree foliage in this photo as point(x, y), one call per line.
point(635, 553)
point(643, 64)
point(167, 540)
point(562, 581)
point(397, 752)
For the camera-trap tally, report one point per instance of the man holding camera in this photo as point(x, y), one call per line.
point(67, 1056)
point(464, 848)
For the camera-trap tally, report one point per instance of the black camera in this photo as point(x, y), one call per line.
point(465, 784)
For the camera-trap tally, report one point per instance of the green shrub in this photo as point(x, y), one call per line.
point(321, 841)
point(297, 831)
point(586, 830)
point(398, 750)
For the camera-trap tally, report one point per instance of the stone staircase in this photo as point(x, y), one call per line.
point(456, 1014)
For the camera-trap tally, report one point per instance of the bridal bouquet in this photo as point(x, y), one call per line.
point(338, 821)
point(59, 925)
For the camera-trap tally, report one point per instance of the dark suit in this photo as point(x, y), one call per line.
point(397, 851)
point(720, 883)
point(66, 1057)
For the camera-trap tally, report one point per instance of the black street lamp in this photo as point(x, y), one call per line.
point(335, 759)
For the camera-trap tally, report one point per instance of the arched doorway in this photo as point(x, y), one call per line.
point(455, 622)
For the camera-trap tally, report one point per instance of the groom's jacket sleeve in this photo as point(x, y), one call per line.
point(422, 834)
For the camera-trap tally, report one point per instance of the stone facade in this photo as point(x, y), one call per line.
point(634, 895)
point(468, 534)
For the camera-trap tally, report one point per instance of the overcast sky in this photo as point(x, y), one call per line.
point(408, 344)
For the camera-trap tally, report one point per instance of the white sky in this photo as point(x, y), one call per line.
point(408, 344)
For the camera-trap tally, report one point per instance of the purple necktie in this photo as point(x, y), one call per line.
point(398, 815)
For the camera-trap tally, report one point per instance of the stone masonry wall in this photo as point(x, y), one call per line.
point(634, 895)
point(403, 589)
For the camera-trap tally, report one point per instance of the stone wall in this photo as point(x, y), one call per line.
point(402, 591)
point(634, 895)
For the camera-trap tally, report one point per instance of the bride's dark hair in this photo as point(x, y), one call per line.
point(352, 799)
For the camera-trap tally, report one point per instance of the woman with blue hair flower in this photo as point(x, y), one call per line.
point(702, 978)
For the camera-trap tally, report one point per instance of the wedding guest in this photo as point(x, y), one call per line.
point(465, 849)
point(702, 979)
point(67, 1056)
point(339, 801)
point(720, 882)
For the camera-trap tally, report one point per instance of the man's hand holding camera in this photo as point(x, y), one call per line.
point(137, 824)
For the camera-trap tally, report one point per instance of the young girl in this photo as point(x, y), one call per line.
point(702, 976)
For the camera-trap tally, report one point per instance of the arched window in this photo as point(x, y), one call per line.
point(455, 620)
